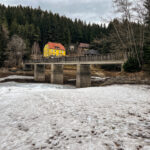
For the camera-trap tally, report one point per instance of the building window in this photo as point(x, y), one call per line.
point(56, 47)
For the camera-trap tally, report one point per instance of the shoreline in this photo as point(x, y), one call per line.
point(98, 78)
point(106, 82)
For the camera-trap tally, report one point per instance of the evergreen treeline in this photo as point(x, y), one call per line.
point(42, 26)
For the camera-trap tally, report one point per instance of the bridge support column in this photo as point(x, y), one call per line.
point(48, 73)
point(57, 76)
point(122, 68)
point(39, 72)
point(83, 78)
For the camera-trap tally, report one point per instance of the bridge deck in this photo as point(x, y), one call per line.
point(100, 59)
point(74, 63)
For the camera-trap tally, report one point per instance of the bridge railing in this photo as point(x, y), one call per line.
point(106, 57)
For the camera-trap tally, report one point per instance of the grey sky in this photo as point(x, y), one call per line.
point(87, 10)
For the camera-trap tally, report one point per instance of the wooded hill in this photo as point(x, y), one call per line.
point(43, 26)
point(21, 27)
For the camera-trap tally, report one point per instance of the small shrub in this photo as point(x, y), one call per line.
point(132, 65)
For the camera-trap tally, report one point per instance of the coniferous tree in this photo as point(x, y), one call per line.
point(2, 47)
point(3, 43)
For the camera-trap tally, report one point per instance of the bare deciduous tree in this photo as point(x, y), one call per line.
point(35, 50)
point(131, 12)
point(15, 51)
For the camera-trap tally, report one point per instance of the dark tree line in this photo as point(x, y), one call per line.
point(43, 26)
point(3, 44)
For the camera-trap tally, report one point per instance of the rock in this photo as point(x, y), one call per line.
point(22, 127)
point(48, 141)
point(58, 133)
point(55, 143)
point(79, 142)
point(76, 130)
point(51, 148)
point(80, 136)
point(67, 139)
point(73, 136)
point(33, 144)
point(52, 137)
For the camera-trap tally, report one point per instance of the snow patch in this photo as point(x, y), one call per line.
point(93, 78)
point(16, 77)
point(45, 116)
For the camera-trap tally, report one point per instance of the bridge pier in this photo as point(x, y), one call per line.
point(83, 78)
point(39, 72)
point(122, 68)
point(48, 73)
point(57, 76)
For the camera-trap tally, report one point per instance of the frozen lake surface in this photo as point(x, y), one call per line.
point(44, 116)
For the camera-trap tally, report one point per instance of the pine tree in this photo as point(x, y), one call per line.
point(14, 27)
point(3, 43)
point(67, 37)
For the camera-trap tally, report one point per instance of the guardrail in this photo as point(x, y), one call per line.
point(106, 57)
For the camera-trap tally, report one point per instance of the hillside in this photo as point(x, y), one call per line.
point(42, 26)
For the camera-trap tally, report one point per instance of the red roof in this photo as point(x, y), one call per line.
point(58, 46)
point(84, 45)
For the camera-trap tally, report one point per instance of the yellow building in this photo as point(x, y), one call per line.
point(54, 49)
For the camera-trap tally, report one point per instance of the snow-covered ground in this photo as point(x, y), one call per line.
point(93, 78)
point(44, 116)
point(15, 77)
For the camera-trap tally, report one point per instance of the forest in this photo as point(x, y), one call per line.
point(42, 26)
point(36, 25)
point(21, 27)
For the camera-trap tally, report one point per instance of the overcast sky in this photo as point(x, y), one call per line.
point(94, 11)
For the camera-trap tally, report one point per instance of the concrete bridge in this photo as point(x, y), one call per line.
point(83, 76)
